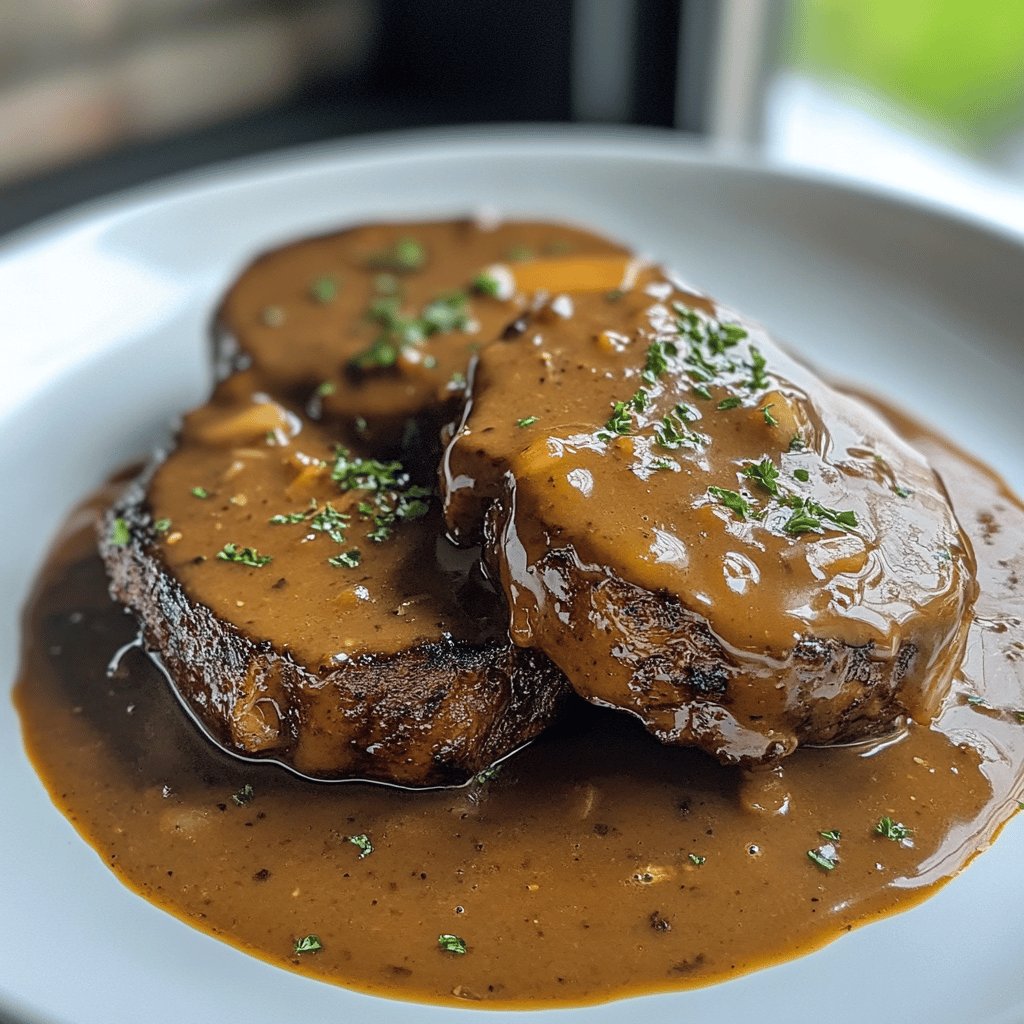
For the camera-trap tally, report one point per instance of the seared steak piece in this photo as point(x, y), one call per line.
point(698, 530)
point(308, 610)
point(373, 327)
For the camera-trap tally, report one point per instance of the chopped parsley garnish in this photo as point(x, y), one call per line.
point(162, 525)
point(700, 391)
point(451, 944)
point(356, 474)
point(696, 858)
point(308, 944)
point(325, 388)
point(802, 521)
point(487, 775)
point(243, 556)
point(362, 843)
point(758, 379)
point(120, 535)
point(729, 403)
point(243, 796)
point(449, 312)
point(486, 284)
point(519, 254)
point(324, 289)
point(765, 474)
point(656, 362)
point(284, 518)
point(620, 421)
point(332, 522)
point(379, 354)
point(391, 500)
point(802, 475)
point(526, 421)
point(902, 492)
point(797, 443)
point(976, 700)
point(405, 256)
point(200, 492)
point(731, 500)
point(766, 411)
point(672, 431)
point(808, 516)
point(445, 313)
point(825, 857)
point(346, 560)
point(894, 830)
point(833, 835)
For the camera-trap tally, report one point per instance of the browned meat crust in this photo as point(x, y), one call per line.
point(434, 714)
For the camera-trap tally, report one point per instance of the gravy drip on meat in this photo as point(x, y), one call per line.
point(597, 864)
point(590, 521)
point(299, 316)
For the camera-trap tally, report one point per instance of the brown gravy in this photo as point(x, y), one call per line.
point(597, 864)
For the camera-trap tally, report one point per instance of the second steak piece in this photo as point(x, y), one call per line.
point(308, 610)
point(698, 530)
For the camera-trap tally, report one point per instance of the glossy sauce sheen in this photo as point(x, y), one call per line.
point(580, 509)
point(277, 320)
point(569, 875)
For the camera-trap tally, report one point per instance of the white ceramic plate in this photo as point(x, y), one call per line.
point(103, 337)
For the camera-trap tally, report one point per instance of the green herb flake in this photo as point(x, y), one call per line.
point(519, 254)
point(325, 388)
point(766, 412)
point(308, 944)
point(802, 475)
point(324, 290)
point(731, 500)
point(894, 830)
point(120, 535)
point(404, 257)
point(379, 355)
point(615, 295)
point(808, 516)
point(656, 359)
point(445, 313)
point(833, 835)
point(487, 775)
point(162, 525)
point(457, 381)
point(452, 944)
point(673, 432)
point(824, 857)
point(765, 474)
point(696, 859)
point(347, 559)
point(902, 492)
point(486, 284)
point(620, 422)
point(200, 492)
point(243, 556)
point(362, 843)
point(729, 403)
point(243, 796)
point(797, 443)
point(977, 701)
point(700, 391)
point(527, 421)
point(758, 378)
